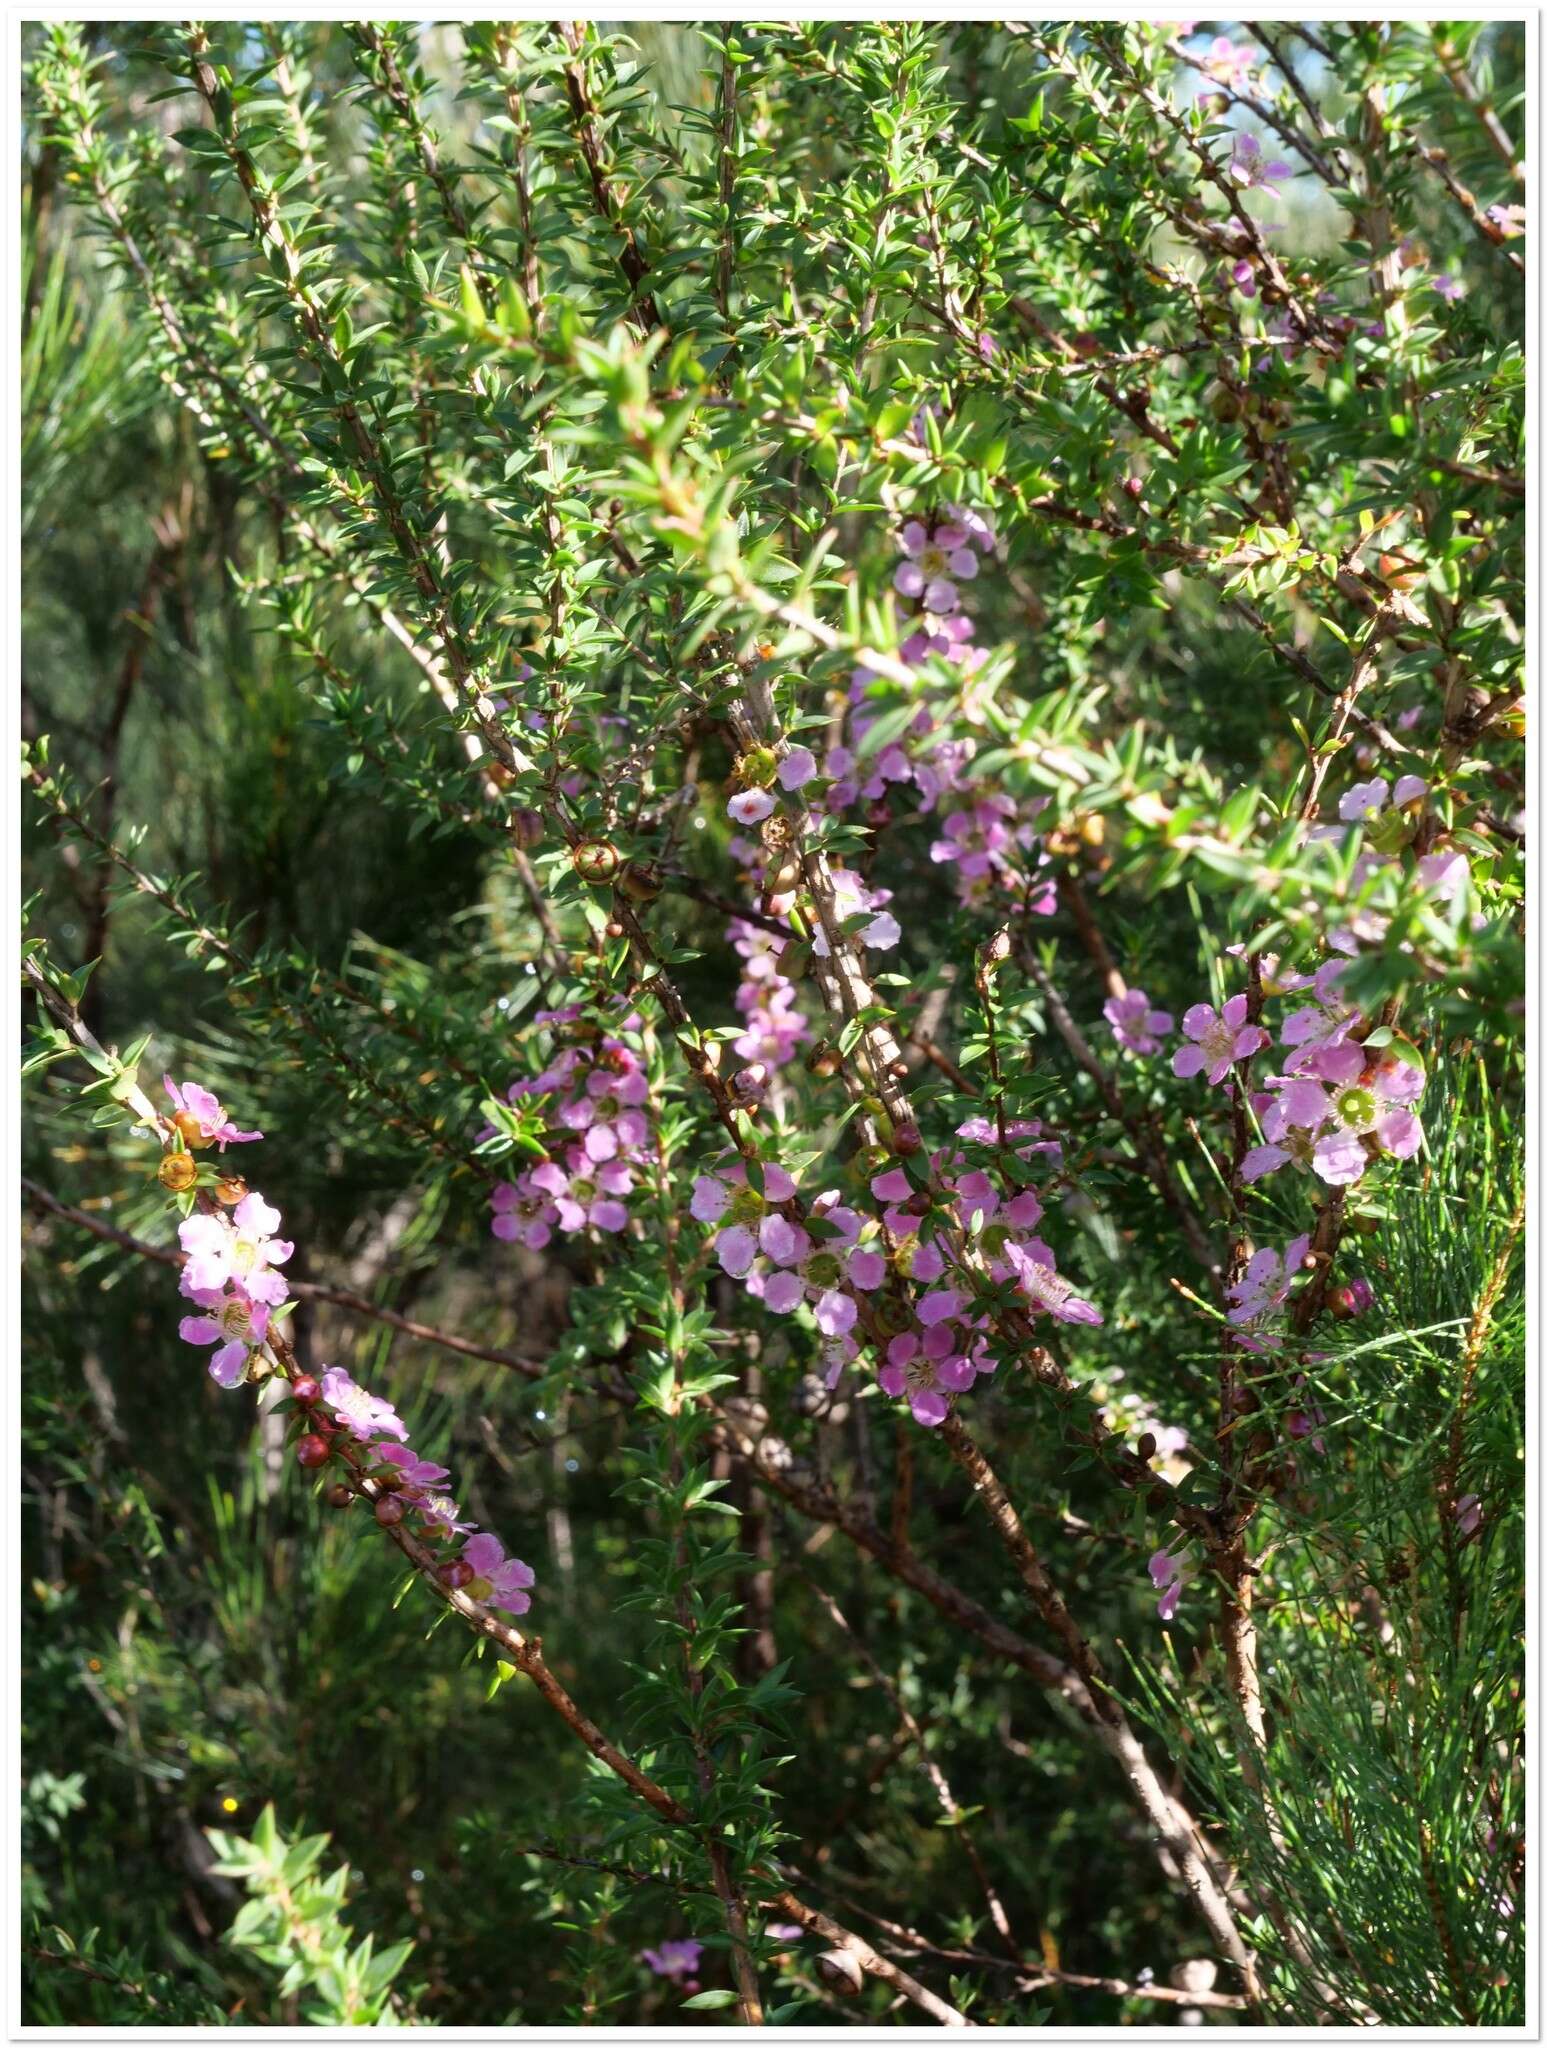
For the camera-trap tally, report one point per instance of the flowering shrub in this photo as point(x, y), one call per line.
point(897, 650)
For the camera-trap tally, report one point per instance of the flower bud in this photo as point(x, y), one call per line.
point(177, 1172)
point(994, 951)
point(390, 1511)
point(306, 1390)
point(824, 1061)
point(311, 1452)
point(906, 1139)
point(526, 827)
point(1145, 1448)
point(839, 1972)
point(594, 860)
point(456, 1573)
point(339, 1495)
point(750, 1084)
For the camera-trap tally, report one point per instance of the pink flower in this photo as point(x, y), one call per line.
point(853, 898)
point(419, 1474)
point(928, 1370)
point(214, 1126)
point(676, 1958)
point(585, 1191)
point(1229, 64)
point(498, 1581)
point(364, 1415)
point(727, 1198)
point(243, 1249)
point(1167, 1576)
point(1134, 1024)
point(1248, 168)
point(1220, 1038)
point(522, 1214)
point(822, 1265)
point(1449, 288)
point(1264, 1287)
point(1469, 1516)
point(238, 1325)
point(1044, 1287)
point(751, 806)
point(931, 560)
point(797, 768)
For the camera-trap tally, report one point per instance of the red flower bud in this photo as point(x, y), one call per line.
point(306, 1390)
point(311, 1452)
point(390, 1510)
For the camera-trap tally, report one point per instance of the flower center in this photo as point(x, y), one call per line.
point(1356, 1107)
point(822, 1270)
point(745, 1206)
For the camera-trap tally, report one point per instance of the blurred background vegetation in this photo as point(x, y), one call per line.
point(199, 1641)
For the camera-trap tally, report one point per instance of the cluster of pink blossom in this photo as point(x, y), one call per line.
point(967, 1203)
point(232, 1257)
point(987, 838)
point(599, 1136)
point(823, 1255)
point(1345, 1097)
point(774, 1030)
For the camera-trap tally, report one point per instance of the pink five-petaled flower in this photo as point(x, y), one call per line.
point(1368, 799)
point(1046, 1288)
point(419, 1475)
point(1134, 1024)
point(1264, 1287)
point(928, 1369)
point(1376, 1107)
point(522, 1214)
point(820, 1265)
point(236, 1323)
point(1167, 1576)
point(364, 1415)
point(1248, 167)
point(797, 768)
point(243, 1249)
point(587, 1192)
point(751, 807)
point(931, 561)
point(498, 1580)
point(1220, 1038)
point(1449, 288)
point(1229, 63)
point(727, 1199)
point(675, 1958)
point(213, 1125)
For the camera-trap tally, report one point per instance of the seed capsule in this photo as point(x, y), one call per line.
point(177, 1172)
point(189, 1130)
point(526, 827)
point(757, 767)
point(230, 1189)
point(594, 860)
point(640, 881)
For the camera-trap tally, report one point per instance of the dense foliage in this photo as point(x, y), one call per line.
point(823, 723)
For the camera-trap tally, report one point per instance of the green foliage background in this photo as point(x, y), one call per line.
point(203, 1642)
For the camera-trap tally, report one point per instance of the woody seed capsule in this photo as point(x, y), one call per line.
point(177, 1171)
point(594, 860)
